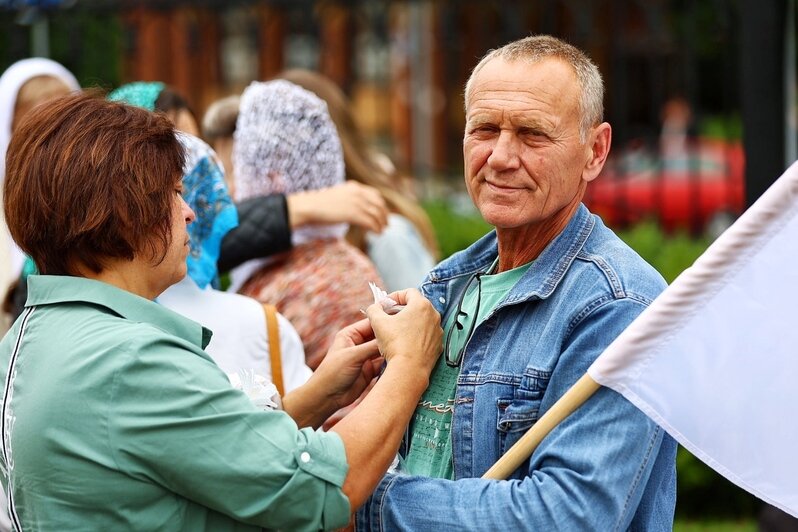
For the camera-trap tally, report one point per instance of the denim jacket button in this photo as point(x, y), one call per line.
point(442, 299)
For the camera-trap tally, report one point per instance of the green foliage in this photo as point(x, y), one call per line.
point(702, 493)
point(669, 254)
point(721, 127)
point(456, 228)
point(87, 42)
point(703, 525)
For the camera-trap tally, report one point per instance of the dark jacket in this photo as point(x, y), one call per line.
point(263, 230)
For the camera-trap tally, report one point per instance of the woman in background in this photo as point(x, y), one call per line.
point(285, 142)
point(359, 205)
point(157, 96)
point(406, 249)
point(23, 85)
point(240, 341)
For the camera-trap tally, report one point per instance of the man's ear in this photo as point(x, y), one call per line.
point(599, 142)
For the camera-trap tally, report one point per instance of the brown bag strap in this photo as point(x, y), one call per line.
point(274, 347)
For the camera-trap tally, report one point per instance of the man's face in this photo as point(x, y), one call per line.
point(524, 161)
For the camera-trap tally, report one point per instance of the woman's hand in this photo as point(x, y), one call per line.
point(351, 363)
point(350, 202)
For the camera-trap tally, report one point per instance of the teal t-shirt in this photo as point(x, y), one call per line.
point(430, 450)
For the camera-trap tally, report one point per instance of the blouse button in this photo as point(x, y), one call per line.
point(305, 457)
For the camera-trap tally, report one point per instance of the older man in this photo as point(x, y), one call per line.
point(526, 309)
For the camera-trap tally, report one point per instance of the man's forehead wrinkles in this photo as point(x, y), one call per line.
point(532, 114)
point(500, 99)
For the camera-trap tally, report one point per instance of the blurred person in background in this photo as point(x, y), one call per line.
point(240, 341)
point(285, 142)
point(23, 85)
point(266, 222)
point(406, 249)
point(218, 126)
point(676, 139)
point(157, 96)
point(120, 418)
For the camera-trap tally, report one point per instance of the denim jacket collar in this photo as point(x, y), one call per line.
point(540, 280)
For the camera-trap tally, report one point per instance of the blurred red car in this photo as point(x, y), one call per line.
point(703, 192)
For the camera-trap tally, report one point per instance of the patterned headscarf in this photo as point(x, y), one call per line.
point(286, 142)
point(139, 93)
point(205, 192)
point(204, 188)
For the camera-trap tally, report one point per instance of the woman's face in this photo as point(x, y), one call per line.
point(37, 90)
point(172, 269)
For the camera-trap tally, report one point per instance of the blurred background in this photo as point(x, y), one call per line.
point(700, 93)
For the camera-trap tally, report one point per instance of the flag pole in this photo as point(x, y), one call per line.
point(523, 448)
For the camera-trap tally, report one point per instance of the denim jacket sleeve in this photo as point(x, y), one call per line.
point(589, 473)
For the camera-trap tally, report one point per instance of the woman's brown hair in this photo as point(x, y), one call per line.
point(360, 163)
point(89, 180)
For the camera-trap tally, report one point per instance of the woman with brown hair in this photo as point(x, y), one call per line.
point(113, 416)
point(406, 249)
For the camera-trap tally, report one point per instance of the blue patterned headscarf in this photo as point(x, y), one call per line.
point(205, 191)
point(139, 93)
point(204, 188)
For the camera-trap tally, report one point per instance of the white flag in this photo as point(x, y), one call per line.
point(714, 360)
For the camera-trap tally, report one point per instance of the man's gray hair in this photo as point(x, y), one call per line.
point(538, 47)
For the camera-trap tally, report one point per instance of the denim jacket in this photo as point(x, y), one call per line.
point(607, 466)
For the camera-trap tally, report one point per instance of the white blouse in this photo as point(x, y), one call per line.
point(240, 341)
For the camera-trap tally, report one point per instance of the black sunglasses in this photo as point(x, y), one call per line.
point(461, 314)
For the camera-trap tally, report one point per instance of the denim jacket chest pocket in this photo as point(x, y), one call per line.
point(516, 414)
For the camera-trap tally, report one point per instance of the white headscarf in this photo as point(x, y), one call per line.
point(15, 76)
point(286, 142)
point(11, 81)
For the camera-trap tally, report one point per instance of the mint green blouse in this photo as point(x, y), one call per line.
point(115, 418)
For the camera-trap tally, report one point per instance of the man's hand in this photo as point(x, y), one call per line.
point(414, 334)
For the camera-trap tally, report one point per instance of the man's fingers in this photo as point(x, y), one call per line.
point(374, 312)
point(403, 297)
